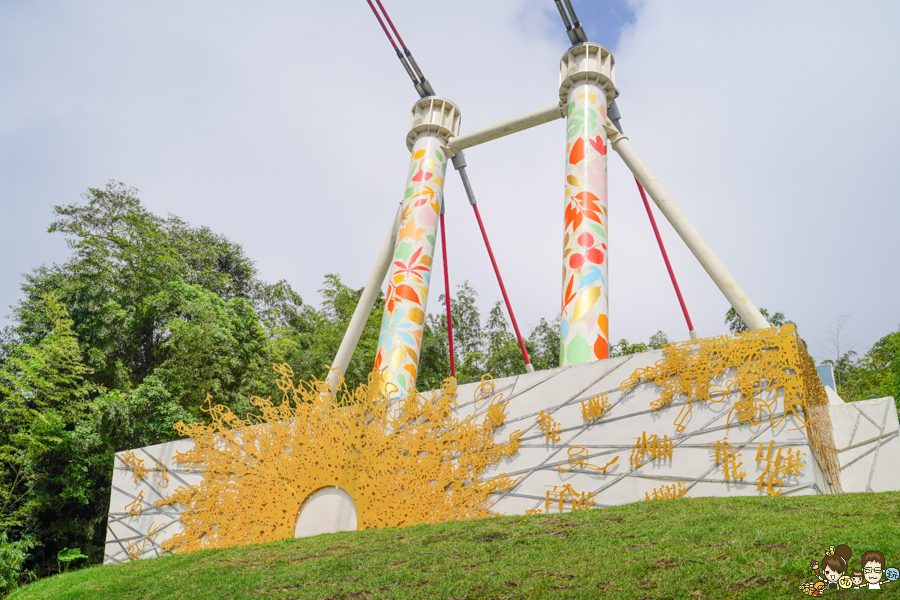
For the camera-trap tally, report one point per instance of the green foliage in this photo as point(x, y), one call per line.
point(308, 339)
point(504, 355)
point(468, 339)
point(108, 350)
point(479, 348)
point(624, 347)
point(67, 556)
point(875, 375)
point(736, 323)
point(434, 358)
point(13, 556)
point(543, 344)
point(43, 390)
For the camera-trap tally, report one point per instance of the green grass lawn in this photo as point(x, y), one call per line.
point(687, 548)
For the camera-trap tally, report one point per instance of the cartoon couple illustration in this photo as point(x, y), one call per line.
point(835, 565)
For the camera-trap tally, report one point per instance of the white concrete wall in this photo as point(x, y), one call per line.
point(121, 529)
point(561, 391)
point(866, 434)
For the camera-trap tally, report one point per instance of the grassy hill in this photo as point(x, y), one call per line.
point(687, 548)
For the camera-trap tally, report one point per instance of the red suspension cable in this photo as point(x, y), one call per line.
point(380, 22)
point(391, 23)
point(662, 248)
point(407, 59)
point(512, 317)
point(447, 295)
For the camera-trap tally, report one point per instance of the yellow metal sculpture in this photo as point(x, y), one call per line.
point(402, 462)
point(548, 426)
point(135, 508)
point(668, 492)
point(763, 366)
point(655, 447)
point(579, 455)
point(135, 464)
point(564, 494)
point(726, 456)
point(161, 475)
point(787, 465)
point(484, 390)
point(134, 551)
point(595, 407)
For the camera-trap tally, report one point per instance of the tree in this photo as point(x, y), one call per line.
point(42, 388)
point(434, 358)
point(155, 297)
point(875, 375)
point(736, 323)
point(109, 349)
point(311, 340)
point(44, 393)
point(543, 344)
point(479, 349)
point(503, 356)
point(623, 348)
point(841, 355)
point(468, 341)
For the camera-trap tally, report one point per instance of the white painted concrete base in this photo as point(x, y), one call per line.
point(328, 510)
point(544, 467)
point(591, 458)
point(867, 437)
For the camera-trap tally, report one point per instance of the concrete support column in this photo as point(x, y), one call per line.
point(364, 306)
point(586, 87)
point(689, 234)
point(432, 122)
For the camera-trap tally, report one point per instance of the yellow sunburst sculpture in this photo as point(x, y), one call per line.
point(402, 462)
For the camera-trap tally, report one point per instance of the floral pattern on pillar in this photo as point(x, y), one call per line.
point(400, 340)
point(584, 326)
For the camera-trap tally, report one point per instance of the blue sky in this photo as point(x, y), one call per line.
point(604, 20)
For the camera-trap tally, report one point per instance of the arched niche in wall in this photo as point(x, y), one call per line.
point(327, 510)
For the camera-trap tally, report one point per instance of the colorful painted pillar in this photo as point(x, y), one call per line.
point(586, 86)
point(432, 122)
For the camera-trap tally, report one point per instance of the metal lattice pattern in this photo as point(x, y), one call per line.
point(762, 380)
point(402, 463)
point(573, 434)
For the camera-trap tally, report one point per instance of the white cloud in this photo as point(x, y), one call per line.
point(282, 125)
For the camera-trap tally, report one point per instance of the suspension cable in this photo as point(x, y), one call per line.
point(665, 255)
point(391, 23)
point(447, 292)
point(403, 61)
point(576, 24)
point(616, 117)
point(424, 82)
point(423, 87)
point(573, 37)
point(459, 162)
point(574, 29)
